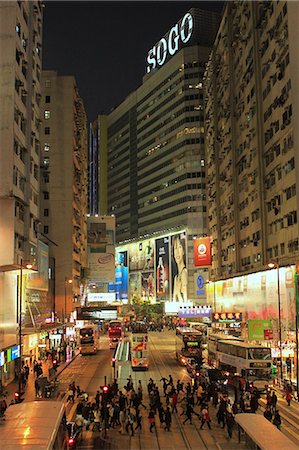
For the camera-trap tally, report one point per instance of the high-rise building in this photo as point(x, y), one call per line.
point(97, 192)
point(252, 158)
point(64, 182)
point(156, 155)
point(20, 73)
point(250, 145)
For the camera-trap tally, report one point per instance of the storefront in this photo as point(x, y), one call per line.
point(30, 348)
point(9, 364)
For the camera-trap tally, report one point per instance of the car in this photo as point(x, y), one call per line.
point(74, 433)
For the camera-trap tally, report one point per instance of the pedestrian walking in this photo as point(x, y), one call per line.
point(289, 397)
point(173, 402)
point(188, 413)
point(167, 419)
point(151, 420)
point(37, 387)
point(268, 413)
point(138, 420)
point(277, 419)
point(230, 421)
point(205, 418)
point(273, 402)
point(129, 422)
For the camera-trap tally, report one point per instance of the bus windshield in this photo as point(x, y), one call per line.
point(259, 353)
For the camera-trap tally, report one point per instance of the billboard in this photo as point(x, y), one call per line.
point(202, 251)
point(257, 329)
point(40, 280)
point(147, 283)
point(120, 286)
point(101, 248)
point(162, 268)
point(179, 273)
point(134, 286)
point(141, 255)
point(97, 313)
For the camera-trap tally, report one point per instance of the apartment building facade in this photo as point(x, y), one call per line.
point(252, 159)
point(64, 184)
point(156, 156)
point(20, 63)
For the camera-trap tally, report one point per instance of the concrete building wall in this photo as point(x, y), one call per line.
point(250, 147)
point(64, 183)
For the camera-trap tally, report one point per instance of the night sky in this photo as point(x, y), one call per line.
point(105, 44)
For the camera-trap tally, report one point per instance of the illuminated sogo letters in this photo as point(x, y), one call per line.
point(158, 54)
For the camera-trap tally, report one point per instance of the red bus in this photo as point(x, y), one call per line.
point(114, 333)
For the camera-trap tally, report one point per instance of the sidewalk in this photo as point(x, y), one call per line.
point(29, 395)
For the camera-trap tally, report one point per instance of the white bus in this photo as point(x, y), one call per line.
point(89, 340)
point(213, 340)
point(139, 346)
point(251, 362)
point(35, 425)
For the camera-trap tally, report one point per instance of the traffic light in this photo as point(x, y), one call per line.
point(18, 397)
point(55, 364)
point(105, 389)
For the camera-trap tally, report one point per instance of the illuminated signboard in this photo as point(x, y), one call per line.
point(195, 311)
point(2, 359)
point(227, 317)
point(202, 251)
point(192, 344)
point(15, 352)
point(179, 33)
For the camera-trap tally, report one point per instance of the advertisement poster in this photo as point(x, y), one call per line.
point(202, 251)
point(147, 282)
point(101, 248)
point(134, 287)
point(141, 255)
point(179, 274)
point(162, 268)
point(120, 287)
point(40, 279)
point(257, 328)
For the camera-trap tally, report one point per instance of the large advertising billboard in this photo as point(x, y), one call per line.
point(101, 248)
point(162, 269)
point(148, 290)
point(179, 273)
point(141, 255)
point(120, 286)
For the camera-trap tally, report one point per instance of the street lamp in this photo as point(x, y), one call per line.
point(66, 282)
point(275, 265)
point(20, 300)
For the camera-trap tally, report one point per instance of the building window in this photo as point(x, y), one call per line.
point(46, 195)
point(48, 99)
point(47, 114)
point(46, 147)
point(47, 130)
point(48, 83)
point(46, 229)
point(46, 212)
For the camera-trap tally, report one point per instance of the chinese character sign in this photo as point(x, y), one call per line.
point(227, 317)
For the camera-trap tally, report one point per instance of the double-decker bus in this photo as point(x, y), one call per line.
point(35, 425)
point(188, 344)
point(114, 333)
point(251, 362)
point(213, 339)
point(139, 346)
point(89, 341)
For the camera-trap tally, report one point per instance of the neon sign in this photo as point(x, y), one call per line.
point(180, 32)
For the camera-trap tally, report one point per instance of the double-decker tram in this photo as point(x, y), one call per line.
point(188, 346)
point(114, 333)
point(139, 346)
point(89, 340)
point(251, 362)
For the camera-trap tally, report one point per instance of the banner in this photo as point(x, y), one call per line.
point(257, 328)
point(179, 273)
point(162, 268)
point(101, 248)
point(202, 251)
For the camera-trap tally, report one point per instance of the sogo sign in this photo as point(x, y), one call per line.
point(158, 54)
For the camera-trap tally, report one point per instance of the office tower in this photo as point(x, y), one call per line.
point(156, 155)
point(20, 64)
point(97, 192)
point(64, 182)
